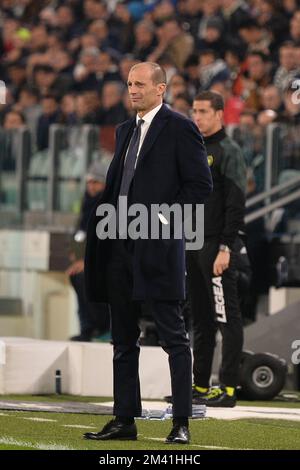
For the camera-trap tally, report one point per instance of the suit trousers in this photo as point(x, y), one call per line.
point(125, 314)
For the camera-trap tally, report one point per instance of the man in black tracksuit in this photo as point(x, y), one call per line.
point(212, 274)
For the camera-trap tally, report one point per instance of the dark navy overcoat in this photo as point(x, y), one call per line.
point(172, 167)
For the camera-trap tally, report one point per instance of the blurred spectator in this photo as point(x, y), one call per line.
point(83, 112)
point(182, 104)
point(270, 113)
point(176, 86)
point(100, 30)
point(8, 145)
point(44, 77)
point(63, 64)
point(84, 71)
point(163, 10)
point(251, 137)
point(258, 77)
point(93, 100)
point(15, 40)
point(271, 98)
point(125, 65)
point(31, 9)
point(95, 10)
point(68, 109)
point(212, 38)
point(112, 111)
point(173, 42)
point(287, 70)
point(38, 39)
point(295, 28)
point(168, 65)
point(105, 70)
point(190, 12)
point(16, 76)
point(13, 120)
point(291, 114)
point(191, 68)
point(88, 41)
point(233, 105)
point(289, 7)
point(93, 318)
point(211, 69)
point(50, 115)
point(210, 10)
point(266, 117)
point(144, 40)
point(235, 12)
point(67, 23)
point(234, 58)
point(121, 25)
point(30, 107)
point(47, 80)
point(272, 19)
point(256, 38)
point(247, 121)
point(127, 104)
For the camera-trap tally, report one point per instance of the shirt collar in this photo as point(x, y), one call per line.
point(149, 116)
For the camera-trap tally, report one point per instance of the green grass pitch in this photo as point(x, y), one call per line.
point(54, 431)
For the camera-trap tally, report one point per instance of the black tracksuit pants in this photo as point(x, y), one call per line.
point(214, 304)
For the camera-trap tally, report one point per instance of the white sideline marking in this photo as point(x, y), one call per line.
point(193, 445)
point(42, 446)
point(244, 412)
point(39, 419)
point(78, 426)
point(31, 405)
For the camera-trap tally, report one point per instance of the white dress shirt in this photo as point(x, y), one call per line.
point(145, 127)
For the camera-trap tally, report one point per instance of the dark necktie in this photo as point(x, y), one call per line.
point(129, 166)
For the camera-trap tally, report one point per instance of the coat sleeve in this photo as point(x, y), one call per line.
point(233, 169)
point(192, 163)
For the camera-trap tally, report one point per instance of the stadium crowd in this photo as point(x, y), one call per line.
point(67, 61)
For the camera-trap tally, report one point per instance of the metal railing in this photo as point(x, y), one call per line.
point(46, 181)
point(276, 169)
point(53, 181)
point(282, 202)
point(273, 192)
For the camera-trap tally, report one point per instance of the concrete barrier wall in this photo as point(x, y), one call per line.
point(29, 367)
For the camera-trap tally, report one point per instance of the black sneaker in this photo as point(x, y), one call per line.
point(199, 398)
point(218, 397)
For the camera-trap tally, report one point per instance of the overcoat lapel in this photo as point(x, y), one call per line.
point(158, 123)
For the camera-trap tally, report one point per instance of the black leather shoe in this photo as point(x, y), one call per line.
point(178, 435)
point(81, 337)
point(114, 430)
